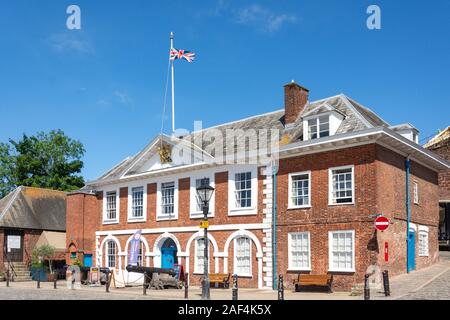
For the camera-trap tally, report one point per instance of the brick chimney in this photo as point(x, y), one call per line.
point(295, 100)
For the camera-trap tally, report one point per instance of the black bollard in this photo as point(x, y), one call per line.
point(7, 278)
point(366, 287)
point(186, 286)
point(235, 287)
point(54, 282)
point(39, 280)
point(145, 289)
point(107, 282)
point(387, 290)
point(280, 288)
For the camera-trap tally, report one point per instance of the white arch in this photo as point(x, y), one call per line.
point(119, 248)
point(144, 241)
point(110, 237)
point(259, 252)
point(244, 233)
point(199, 234)
point(157, 248)
point(160, 240)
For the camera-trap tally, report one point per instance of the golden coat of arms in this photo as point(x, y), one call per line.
point(165, 152)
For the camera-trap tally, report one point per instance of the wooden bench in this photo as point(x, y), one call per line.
point(322, 280)
point(223, 278)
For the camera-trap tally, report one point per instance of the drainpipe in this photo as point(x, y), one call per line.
point(274, 226)
point(408, 212)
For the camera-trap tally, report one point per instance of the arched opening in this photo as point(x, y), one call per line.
point(168, 254)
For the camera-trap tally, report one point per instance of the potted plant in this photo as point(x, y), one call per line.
point(37, 266)
point(47, 252)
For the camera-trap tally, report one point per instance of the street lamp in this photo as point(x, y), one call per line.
point(204, 193)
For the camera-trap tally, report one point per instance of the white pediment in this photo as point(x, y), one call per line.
point(180, 152)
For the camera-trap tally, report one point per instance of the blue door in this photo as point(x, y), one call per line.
point(168, 258)
point(87, 260)
point(412, 250)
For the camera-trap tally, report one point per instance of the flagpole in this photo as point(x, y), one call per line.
point(173, 89)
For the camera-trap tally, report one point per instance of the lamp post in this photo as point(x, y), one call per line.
point(205, 192)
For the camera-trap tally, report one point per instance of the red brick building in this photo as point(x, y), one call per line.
point(440, 144)
point(304, 182)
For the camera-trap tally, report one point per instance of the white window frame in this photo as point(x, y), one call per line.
point(130, 202)
point(416, 192)
point(424, 231)
point(330, 186)
point(116, 256)
point(159, 215)
point(197, 269)
point(105, 216)
point(317, 120)
point(194, 213)
point(290, 262)
point(232, 209)
point(245, 275)
point(330, 252)
point(290, 202)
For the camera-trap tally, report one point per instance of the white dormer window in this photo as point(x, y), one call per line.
point(319, 127)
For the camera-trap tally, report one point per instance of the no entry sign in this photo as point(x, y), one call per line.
point(382, 223)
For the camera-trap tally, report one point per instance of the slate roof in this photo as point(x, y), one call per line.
point(34, 208)
point(356, 117)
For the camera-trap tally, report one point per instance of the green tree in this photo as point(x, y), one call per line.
point(46, 160)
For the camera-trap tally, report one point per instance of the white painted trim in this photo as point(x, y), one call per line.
point(232, 209)
point(130, 202)
point(413, 227)
point(223, 227)
point(423, 230)
point(330, 251)
point(290, 204)
point(416, 192)
point(194, 214)
point(330, 185)
point(159, 215)
point(118, 248)
point(290, 267)
point(245, 275)
point(259, 252)
point(104, 213)
point(157, 248)
point(196, 269)
point(144, 254)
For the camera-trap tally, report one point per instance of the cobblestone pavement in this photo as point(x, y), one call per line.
point(28, 291)
point(437, 289)
point(425, 284)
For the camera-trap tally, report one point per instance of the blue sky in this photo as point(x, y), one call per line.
point(104, 84)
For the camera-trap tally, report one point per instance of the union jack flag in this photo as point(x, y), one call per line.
point(181, 54)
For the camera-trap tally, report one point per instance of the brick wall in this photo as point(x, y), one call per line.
point(83, 217)
point(444, 177)
point(391, 202)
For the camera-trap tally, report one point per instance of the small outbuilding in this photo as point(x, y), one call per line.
point(30, 217)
